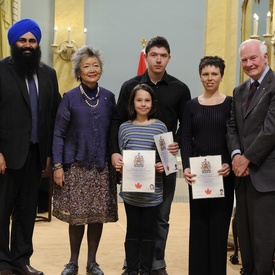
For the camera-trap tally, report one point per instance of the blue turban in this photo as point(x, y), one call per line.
point(22, 27)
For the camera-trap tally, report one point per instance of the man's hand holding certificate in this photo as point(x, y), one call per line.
point(208, 183)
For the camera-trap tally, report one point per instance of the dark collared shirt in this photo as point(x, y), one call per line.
point(172, 95)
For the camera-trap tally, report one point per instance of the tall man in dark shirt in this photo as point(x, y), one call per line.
point(172, 95)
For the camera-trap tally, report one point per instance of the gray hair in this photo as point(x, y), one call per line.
point(85, 51)
point(263, 48)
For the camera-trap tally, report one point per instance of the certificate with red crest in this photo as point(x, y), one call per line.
point(138, 171)
point(208, 183)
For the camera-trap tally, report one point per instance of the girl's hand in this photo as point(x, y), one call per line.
point(159, 167)
point(189, 178)
point(117, 161)
point(119, 165)
point(225, 170)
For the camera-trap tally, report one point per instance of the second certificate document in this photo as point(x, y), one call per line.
point(208, 183)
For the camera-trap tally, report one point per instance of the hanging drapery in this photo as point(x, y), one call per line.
point(5, 23)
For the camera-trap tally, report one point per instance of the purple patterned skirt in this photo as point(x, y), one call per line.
point(88, 196)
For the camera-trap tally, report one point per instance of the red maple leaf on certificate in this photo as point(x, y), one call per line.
point(208, 191)
point(138, 185)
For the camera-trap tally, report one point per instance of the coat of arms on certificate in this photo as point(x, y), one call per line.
point(138, 160)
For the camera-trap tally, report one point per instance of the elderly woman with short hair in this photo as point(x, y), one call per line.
point(83, 193)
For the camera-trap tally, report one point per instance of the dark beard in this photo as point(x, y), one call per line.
point(26, 64)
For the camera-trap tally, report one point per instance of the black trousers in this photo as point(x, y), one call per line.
point(141, 222)
point(18, 203)
point(208, 233)
point(255, 220)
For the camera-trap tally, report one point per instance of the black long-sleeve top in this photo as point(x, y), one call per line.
point(204, 130)
point(172, 95)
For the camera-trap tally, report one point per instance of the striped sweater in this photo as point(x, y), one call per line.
point(141, 137)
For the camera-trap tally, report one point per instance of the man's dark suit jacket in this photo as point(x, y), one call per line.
point(15, 113)
point(253, 131)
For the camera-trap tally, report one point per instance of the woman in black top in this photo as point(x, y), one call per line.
point(203, 133)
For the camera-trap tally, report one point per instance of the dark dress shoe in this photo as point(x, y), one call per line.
point(26, 270)
point(70, 269)
point(6, 272)
point(93, 269)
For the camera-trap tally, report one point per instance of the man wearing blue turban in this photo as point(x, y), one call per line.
point(29, 99)
point(21, 27)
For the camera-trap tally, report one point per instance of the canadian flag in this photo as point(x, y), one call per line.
point(142, 64)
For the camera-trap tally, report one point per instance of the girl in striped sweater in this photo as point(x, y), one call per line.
point(138, 134)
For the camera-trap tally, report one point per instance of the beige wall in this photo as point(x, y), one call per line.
point(221, 38)
point(221, 35)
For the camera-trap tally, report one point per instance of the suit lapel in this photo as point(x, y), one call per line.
point(258, 95)
point(42, 80)
point(260, 92)
point(20, 82)
point(245, 92)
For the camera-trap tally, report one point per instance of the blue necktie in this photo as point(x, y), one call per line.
point(34, 109)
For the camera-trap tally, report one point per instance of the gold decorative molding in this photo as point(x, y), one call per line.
point(6, 20)
point(16, 10)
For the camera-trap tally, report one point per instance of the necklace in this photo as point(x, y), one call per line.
point(88, 98)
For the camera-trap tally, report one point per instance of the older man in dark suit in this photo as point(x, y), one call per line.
point(251, 141)
point(29, 99)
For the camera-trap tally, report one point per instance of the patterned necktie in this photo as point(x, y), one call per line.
point(252, 91)
point(34, 109)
